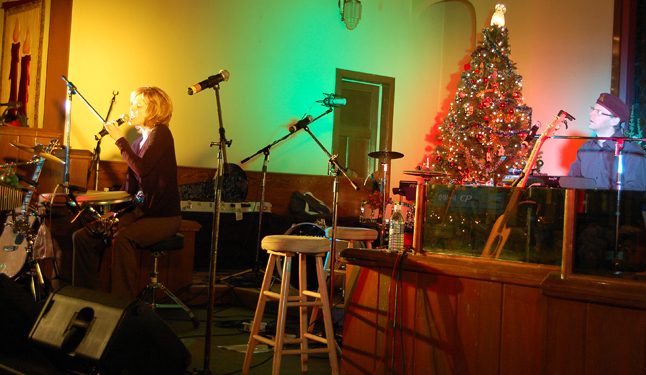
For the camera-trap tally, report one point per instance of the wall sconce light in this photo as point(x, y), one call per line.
point(350, 13)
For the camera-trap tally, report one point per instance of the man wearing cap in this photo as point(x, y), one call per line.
point(596, 158)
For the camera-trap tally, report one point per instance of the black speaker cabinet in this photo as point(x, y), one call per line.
point(18, 313)
point(89, 331)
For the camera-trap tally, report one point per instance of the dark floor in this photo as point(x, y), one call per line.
point(228, 336)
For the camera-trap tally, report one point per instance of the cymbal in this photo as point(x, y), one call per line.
point(386, 154)
point(426, 173)
point(37, 151)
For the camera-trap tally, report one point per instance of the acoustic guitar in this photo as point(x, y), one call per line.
point(15, 238)
point(500, 232)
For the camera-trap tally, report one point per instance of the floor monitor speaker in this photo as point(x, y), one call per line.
point(89, 331)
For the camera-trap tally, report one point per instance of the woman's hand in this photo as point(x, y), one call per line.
point(113, 129)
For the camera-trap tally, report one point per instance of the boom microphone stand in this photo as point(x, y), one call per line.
point(265, 150)
point(335, 202)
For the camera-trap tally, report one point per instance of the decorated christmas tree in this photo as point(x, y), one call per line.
point(482, 136)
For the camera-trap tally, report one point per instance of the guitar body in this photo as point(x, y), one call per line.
point(500, 232)
point(13, 249)
point(14, 244)
point(497, 238)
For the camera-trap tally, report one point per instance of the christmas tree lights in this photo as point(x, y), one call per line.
point(480, 138)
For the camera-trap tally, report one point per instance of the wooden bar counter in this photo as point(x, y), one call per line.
point(439, 313)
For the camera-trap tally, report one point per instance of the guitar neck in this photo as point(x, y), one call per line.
point(531, 161)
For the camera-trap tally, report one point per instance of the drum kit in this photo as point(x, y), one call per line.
point(377, 215)
point(26, 240)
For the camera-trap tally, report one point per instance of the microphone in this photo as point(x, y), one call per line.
point(104, 132)
point(10, 104)
point(301, 124)
point(212, 81)
point(530, 135)
point(332, 100)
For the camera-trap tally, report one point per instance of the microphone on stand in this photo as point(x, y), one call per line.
point(104, 132)
point(301, 124)
point(212, 81)
point(332, 100)
point(530, 135)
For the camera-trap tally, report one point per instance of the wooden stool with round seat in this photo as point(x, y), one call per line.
point(353, 235)
point(287, 246)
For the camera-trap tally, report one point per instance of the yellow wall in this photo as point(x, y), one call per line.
point(282, 55)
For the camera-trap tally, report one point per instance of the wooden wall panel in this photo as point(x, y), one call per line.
point(437, 348)
point(360, 322)
point(406, 333)
point(523, 322)
point(565, 337)
point(615, 340)
point(478, 319)
point(384, 333)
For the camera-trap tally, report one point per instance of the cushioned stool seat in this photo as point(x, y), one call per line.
point(176, 242)
point(352, 235)
point(287, 246)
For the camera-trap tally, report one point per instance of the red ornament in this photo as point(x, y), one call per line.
point(486, 80)
point(473, 82)
point(462, 94)
point(476, 71)
point(486, 118)
point(516, 94)
point(502, 105)
point(494, 85)
point(510, 111)
point(438, 158)
point(467, 66)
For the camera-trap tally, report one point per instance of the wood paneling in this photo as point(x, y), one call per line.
point(478, 321)
point(614, 341)
point(565, 331)
point(472, 316)
point(521, 333)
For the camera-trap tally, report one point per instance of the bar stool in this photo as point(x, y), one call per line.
point(351, 235)
point(174, 243)
point(288, 247)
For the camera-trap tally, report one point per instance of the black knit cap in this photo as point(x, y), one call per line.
point(615, 105)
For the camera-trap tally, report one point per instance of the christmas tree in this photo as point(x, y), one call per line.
point(481, 137)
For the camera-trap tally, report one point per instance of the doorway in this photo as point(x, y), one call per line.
point(364, 124)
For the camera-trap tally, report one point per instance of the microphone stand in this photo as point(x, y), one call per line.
point(265, 150)
point(221, 172)
point(338, 170)
point(619, 146)
point(97, 150)
point(71, 90)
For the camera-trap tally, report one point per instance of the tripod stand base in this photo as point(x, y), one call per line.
point(151, 290)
